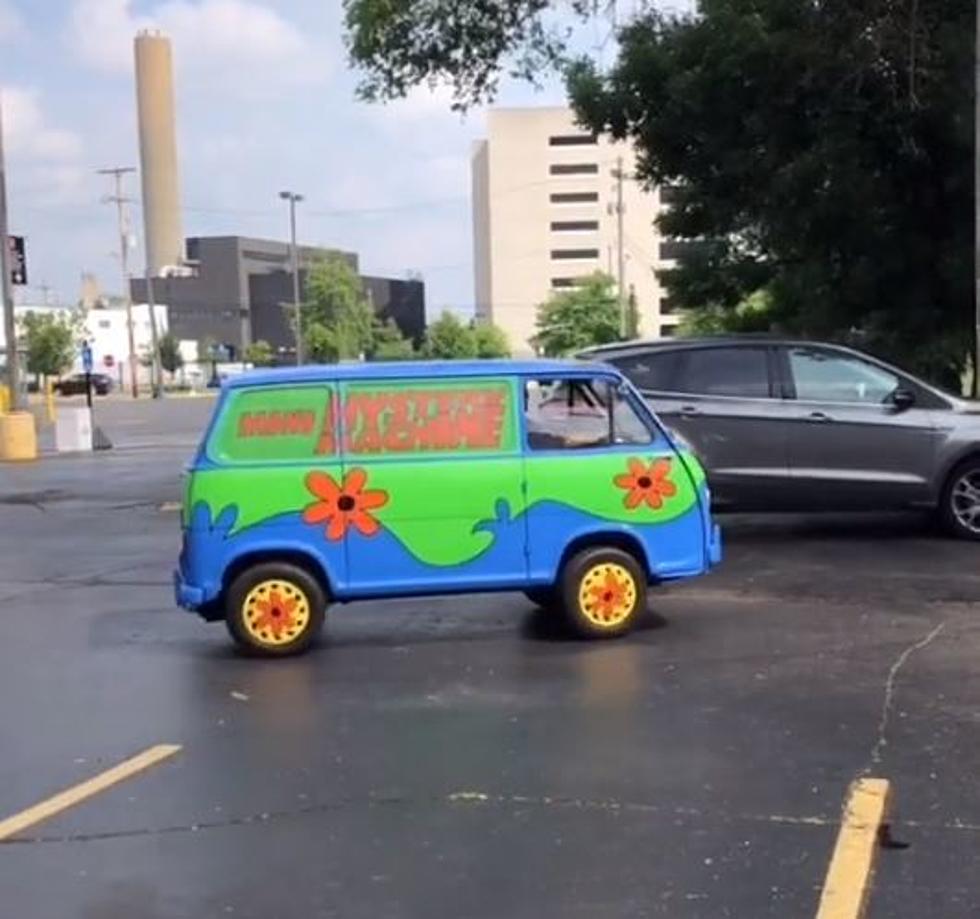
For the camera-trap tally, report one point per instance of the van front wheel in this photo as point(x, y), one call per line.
point(275, 609)
point(603, 592)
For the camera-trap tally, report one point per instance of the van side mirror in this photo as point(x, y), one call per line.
point(902, 399)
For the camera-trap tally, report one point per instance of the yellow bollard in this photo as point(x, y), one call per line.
point(18, 439)
point(4, 399)
point(49, 401)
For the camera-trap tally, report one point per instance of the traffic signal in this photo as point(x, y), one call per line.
point(18, 260)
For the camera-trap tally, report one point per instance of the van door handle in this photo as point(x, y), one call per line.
point(819, 417)
point(688, 411)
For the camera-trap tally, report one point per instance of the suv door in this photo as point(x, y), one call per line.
point(722, 399)
point(850, 445)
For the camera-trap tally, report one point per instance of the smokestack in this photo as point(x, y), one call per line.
point(163, 234)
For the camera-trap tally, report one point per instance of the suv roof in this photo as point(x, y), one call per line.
point(599, 352)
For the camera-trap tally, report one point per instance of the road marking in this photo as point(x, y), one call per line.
point(170, 507)
point(78, 793)
point(848, 883)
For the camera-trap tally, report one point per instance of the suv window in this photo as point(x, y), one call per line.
point(823, 376)
point(576, 414)
point(649, 371)
point(724, 372)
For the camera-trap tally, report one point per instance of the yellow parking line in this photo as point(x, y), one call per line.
point(78, 793)
point(848, 883)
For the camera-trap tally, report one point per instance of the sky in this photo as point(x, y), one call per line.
point(265, 101)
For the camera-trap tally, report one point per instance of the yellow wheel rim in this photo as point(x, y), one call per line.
point(275, 613)
point(607, 595)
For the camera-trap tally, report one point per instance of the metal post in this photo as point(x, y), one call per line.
point(120, 201)
point(156, 365)
point(621, 251)
point(976, 205)
point(293, 200)
point(6, 288)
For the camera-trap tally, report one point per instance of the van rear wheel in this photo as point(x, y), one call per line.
point(603, 592)
point(275, 609)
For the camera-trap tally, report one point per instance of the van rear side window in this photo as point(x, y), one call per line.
point(275, 424)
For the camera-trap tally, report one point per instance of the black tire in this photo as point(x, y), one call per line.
point(545, 597)
point(589, 564)
point(296, 584)
point(948, 517)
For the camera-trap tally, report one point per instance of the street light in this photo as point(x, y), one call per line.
point(293, 200)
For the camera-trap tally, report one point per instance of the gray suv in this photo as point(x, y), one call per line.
point(793, 425)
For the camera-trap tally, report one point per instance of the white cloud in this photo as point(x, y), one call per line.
point(229, 40)
point(27, 132)
point(11, 24)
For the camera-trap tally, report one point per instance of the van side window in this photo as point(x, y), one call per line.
point(580, 413)
point(398, 417)
point(275, 424)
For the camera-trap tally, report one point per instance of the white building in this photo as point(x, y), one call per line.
point(106, 331)
point(544, 215)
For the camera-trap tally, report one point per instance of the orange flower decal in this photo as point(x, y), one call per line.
point(275, 613)
point(609, 596)
point(343, 506)
point(647, 484)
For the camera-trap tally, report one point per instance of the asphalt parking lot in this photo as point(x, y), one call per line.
point(461, 757)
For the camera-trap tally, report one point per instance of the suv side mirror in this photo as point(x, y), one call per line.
point(902, 399)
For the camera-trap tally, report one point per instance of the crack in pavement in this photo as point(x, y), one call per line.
point(881, 739)
point(468, 799)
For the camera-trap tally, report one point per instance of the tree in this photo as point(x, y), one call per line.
point(51, 342)
point(491, 340)
point(825, 149)
point(258, 353)
point(448, 338)
point(337, 318)
point(588, 314)
point(171, 358)
point(389, 344)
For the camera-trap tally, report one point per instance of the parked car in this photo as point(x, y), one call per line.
point(383, 480)
point(782, 424)
point(75, 385)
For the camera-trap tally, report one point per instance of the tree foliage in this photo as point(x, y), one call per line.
point(449, 338)
point(337, 318)
point(51, 341)
point(171, 358)
point(258, 353)
point(389, 344)
point(586, 315)
point(491, 340)
point(825, 147)
point(400, 44)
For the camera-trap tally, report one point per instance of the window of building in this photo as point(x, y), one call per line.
point(670, 194)
point(668, 331)
point(105, 324)
point(679, 249)
point(574, 253)
point(572, 140)
point(566, 282)
point(578, 414)
point(575, 197)
point(573, 169)
point(739, 371)
point(668, 306)
point(574, 226)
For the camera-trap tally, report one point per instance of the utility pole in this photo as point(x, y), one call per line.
point(6, 287)
point(121, 201)
point(620, 248)
point(976, 206)
point(293, 200)
point(156, 365)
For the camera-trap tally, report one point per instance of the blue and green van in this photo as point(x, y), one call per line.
point(332, 483)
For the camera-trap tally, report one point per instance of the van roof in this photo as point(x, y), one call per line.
point(311, 373)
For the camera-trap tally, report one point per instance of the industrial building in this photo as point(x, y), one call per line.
point(546, 198)
point(232, 290)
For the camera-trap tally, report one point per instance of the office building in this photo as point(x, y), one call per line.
point(545, 198)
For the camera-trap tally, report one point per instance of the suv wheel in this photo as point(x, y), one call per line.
point(959, 508)
point(603, 592)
